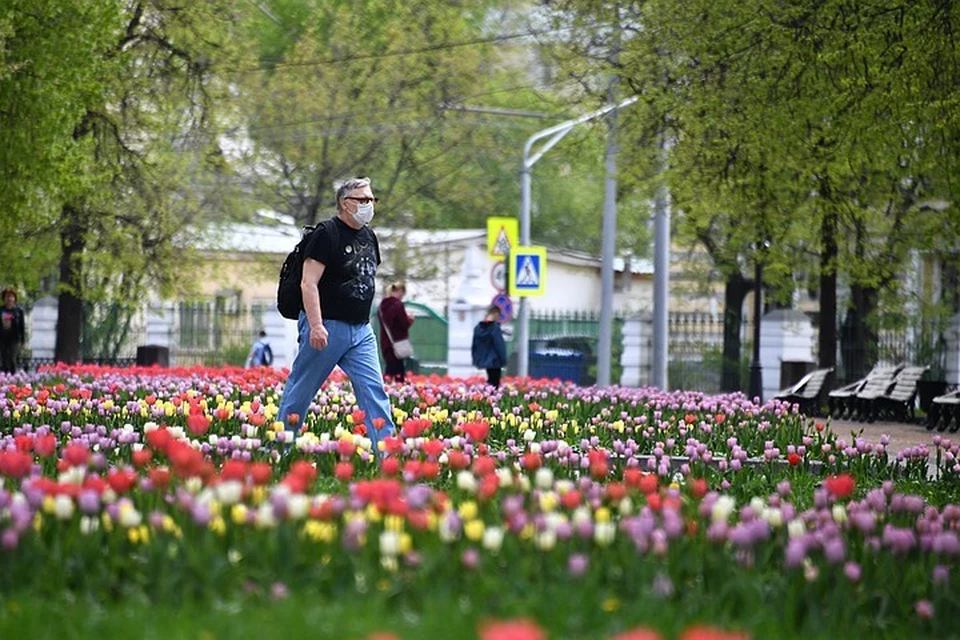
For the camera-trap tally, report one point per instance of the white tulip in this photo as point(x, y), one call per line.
point(492, 539)
point(297, 506)
point(796, 528)
point(63, 507)
point(466, 481)
point(603, 533)
point(543, 479)
point(389, 543)
point(722, 509)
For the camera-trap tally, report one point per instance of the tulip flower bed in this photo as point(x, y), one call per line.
point(132, 496)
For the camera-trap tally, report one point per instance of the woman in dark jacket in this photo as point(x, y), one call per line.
point(12, 331)
point(489, 351)
point(394, 326)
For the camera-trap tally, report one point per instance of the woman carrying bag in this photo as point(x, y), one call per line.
point(395, 332)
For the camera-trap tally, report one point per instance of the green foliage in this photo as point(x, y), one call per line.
point(229, 354)
point(782, 115)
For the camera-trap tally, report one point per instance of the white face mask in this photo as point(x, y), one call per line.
point(364, 213)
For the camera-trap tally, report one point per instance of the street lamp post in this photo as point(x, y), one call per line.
point(755, 389)
point(556, 133)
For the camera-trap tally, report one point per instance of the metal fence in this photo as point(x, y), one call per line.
point(213, 332)
point(203, 333)
point(695, 348)
point(695, 351)
point(220, 332)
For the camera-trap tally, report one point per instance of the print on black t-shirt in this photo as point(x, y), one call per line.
point(360, 262)
point(349, 278)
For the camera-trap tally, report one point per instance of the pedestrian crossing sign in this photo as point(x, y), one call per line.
point(528, 270)
point(502, 236)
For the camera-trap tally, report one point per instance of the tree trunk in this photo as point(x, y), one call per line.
point(734, 292)
point(70, 309)
point(859, 341)
point(827, 342)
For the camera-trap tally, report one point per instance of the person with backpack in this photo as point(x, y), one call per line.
point(488, 349)
point(261, 355)
point(395, 325)
point(337, 285)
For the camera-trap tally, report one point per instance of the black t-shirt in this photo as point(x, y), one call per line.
point(349, 277)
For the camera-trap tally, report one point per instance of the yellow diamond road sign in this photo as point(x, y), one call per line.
point(528, 271)
point(502, 236)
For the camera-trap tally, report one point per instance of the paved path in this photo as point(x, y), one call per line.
point(902, 435)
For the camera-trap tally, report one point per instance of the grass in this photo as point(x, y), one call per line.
point(444, 613)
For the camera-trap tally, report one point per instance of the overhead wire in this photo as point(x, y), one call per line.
point(443, 46)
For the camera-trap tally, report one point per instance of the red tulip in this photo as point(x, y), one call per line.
point(142, 457)
point(76, 455)
point(457, 460)
point(390, 466)
point(343, 471)
point(160, 477)
point(198, 424)
point(260, 473)
point(840, 486)
point(571, 499)
point(531, 461)
point(476, 431)
point(45, 445)
point(234, 470)
point(648, 483)
point(121, 480)
point(640, 633)
point(698, 488)
point(346, 448)
point(15, 464)
point(703, 632)
point(433, 448)
point(159, 439)
point(616, 491)
point(520, 629)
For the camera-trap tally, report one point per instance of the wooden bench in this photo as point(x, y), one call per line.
point(806, 392)
point(843, 401)
point(945, 410)
point(897, 401)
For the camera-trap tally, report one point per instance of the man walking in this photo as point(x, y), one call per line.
point(339, 270)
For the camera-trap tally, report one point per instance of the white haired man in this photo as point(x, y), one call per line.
point(338, 283)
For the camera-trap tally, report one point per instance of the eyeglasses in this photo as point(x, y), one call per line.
point(361, 200)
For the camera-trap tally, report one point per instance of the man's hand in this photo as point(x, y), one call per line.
point(318, 337)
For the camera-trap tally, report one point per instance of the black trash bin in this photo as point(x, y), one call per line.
point(151, 354)
point(563, 364)
point(792, 370)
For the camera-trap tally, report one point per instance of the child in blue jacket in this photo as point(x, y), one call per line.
point(489, 351)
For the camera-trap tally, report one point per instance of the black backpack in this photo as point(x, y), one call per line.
point(289, 297)
point(267, 356)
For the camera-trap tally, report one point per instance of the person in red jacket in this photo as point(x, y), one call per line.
point(394, 326)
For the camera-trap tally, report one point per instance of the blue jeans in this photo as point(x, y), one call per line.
point(353, 347)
